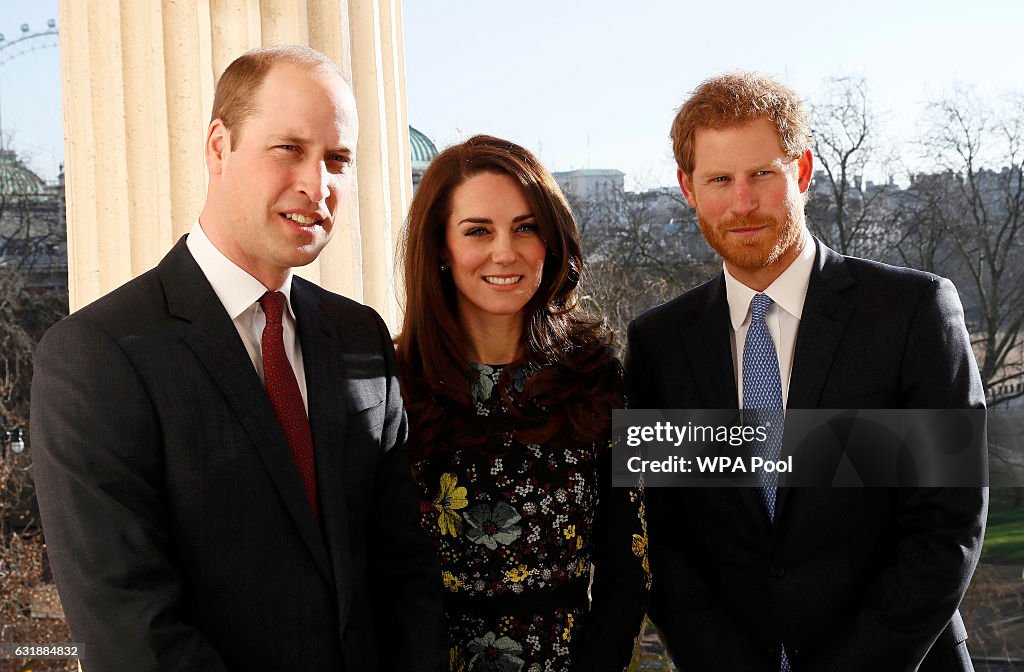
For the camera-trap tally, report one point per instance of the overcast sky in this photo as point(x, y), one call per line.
point(595, 84)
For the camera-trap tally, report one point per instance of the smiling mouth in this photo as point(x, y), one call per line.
point(302, 219)
point(502, 280)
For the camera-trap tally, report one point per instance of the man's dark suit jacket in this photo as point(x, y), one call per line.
point(847, 579)
point(177, 525)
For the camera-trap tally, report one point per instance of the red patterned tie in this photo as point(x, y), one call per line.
point(284, 394)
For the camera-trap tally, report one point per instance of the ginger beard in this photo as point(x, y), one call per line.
point(758, 251)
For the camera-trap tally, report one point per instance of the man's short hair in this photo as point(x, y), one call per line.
point(235, 98)
point(736, 98)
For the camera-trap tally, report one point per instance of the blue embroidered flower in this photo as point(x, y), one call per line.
point(483, 384)
point(522, 374)
point(491, 653)
point(491, 527)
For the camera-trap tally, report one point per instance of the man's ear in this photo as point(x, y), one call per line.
point(686, 186)
point(805, 168)
point(218, 144)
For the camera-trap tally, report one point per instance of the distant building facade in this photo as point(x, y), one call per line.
point(33, 225)
point(592, 184)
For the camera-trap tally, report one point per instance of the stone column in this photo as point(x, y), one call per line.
point(138, 81)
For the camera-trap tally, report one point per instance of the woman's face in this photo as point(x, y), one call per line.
point(494, 248)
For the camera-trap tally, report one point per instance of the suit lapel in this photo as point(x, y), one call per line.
point(825, 316)
point(325, 386)
point(822, 324)
point(214, 340)
point(708, 342)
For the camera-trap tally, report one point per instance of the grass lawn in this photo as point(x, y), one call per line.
point(1004, 537)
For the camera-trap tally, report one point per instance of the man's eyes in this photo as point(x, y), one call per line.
point(332, 158)
point(339, 163)
point(722, 179)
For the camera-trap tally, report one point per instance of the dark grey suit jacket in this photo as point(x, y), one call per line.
point(177, 525)
point(846, 579)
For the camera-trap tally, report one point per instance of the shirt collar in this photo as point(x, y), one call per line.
point(237, 290)
point(788, 291)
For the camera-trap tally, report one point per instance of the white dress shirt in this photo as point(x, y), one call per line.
point(240, 293)
point(783, 318)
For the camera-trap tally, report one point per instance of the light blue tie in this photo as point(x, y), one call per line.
point(762, 393)
point(762, 403)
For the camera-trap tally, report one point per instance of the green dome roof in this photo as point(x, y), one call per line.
point(15, 178)
point(423, 149)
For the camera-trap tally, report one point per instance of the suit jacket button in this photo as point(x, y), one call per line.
point(776, 571)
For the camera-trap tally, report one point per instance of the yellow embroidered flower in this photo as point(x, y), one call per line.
point(640, 551)
point(456, 661)
point(567, 632)
point(517, 574)
point(450, 581)
point(580, 567)
point(640, 543)
point(449, 499)
point(569, 531)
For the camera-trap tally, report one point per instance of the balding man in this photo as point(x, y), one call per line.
point(216, 443)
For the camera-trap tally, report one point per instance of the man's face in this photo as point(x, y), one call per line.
point(748, 196)
point(278, 193)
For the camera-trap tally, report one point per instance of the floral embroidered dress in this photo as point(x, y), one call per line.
point(517, 528)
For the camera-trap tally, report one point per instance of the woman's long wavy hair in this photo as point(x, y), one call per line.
point(578, 379)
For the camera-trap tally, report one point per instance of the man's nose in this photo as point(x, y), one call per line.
point(743, 198)
point(313, 180)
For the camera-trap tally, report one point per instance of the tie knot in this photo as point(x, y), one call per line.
point(272, 304)
point(759, 306)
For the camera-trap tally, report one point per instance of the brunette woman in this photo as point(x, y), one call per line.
point(509, 387)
